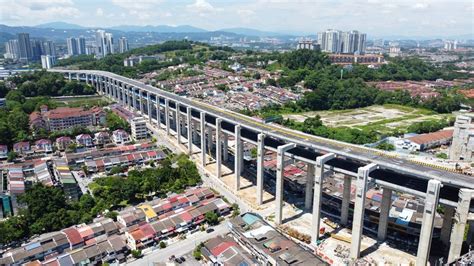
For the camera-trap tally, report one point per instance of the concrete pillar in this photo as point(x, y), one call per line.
point(123, 91)
point(225, 147)
point(158, 112)
point(459, 223)
point(447, 224)
point(280, 180)
point(241, 157)
point(385, 206)
point(142, 104)
point(101, 85)
point(78, 77)
point(346, 199)
point(260, 170)
point(308, 195)
point(209, 141)
point(87, 79)
point(195, 130)
point(173, 119)
point(70, 76)
point(167, 116)
point(237, 155)
point(429, 212)
point(359, 208)
point(218, 148)
point(203, 139)
point(317, 195)
point(148, 106)
point(178, 123)
point(190, 130)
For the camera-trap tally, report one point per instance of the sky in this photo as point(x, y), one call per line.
point(375, 17)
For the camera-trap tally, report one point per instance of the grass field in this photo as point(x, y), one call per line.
point(82, 101)
point(382, 118)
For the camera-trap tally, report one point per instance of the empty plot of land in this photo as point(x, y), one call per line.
point(376, 117)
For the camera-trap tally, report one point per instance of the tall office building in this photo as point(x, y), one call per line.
point(48, 48)
point(76, 46)
point(36, 49)
point(104, 43)
point(123, 45)
point(48, 61)
point(350, 42)
point(72, 48)
point(81, 45)
point(332, 41)
point(24, 47)
point(12, 50)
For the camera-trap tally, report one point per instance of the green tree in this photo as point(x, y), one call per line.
point(211, 218)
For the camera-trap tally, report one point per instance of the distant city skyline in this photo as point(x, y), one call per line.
point(376, 17)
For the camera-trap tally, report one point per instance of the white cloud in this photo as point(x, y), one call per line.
point(37, 11)
point(140, 9)
point(99, 12)
point(202, 7)
point(420, 6)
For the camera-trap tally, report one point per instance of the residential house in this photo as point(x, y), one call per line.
point(3, 151)
point(101, 138)
point(63, 142)
point(84, 140)
point(22, 147)
point(43, 145)
point(141, 237)
point(120, 137)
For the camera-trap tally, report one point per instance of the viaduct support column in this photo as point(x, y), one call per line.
point(178, 123)
point(190, 130)
point(167, 116)
point(237, 155)
point(70, 76)
point(148, 106)
point(218, 148)
point(209, 141)
point(384, 213)
point(279, 180)
point(134, 99)
point(158, 111)
point(203, 139)
point(459, 226)
point(142, 106)
point(359, 208)
point(447, 225)
point(346, 199)
point(260, 173)
point(317, 194)
point(429, 212)
point(308, 195)
point(226, 147)
point(123, 90)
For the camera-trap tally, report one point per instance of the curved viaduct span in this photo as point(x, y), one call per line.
point(364, 166)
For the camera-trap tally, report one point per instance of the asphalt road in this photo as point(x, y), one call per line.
point(181, 247)
point(346, 150)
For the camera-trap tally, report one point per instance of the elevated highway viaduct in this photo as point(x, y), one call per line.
point(205, 124)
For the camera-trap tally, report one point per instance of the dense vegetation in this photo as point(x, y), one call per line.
point(174, 174)
point(49, 210)
point(180, 51)
point(331, 92)
point(114, 122)
point(315, 126)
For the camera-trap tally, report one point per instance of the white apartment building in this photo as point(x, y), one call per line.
point(139, 129)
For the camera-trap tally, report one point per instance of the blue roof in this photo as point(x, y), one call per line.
point(33, 246)
point(250, 218)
